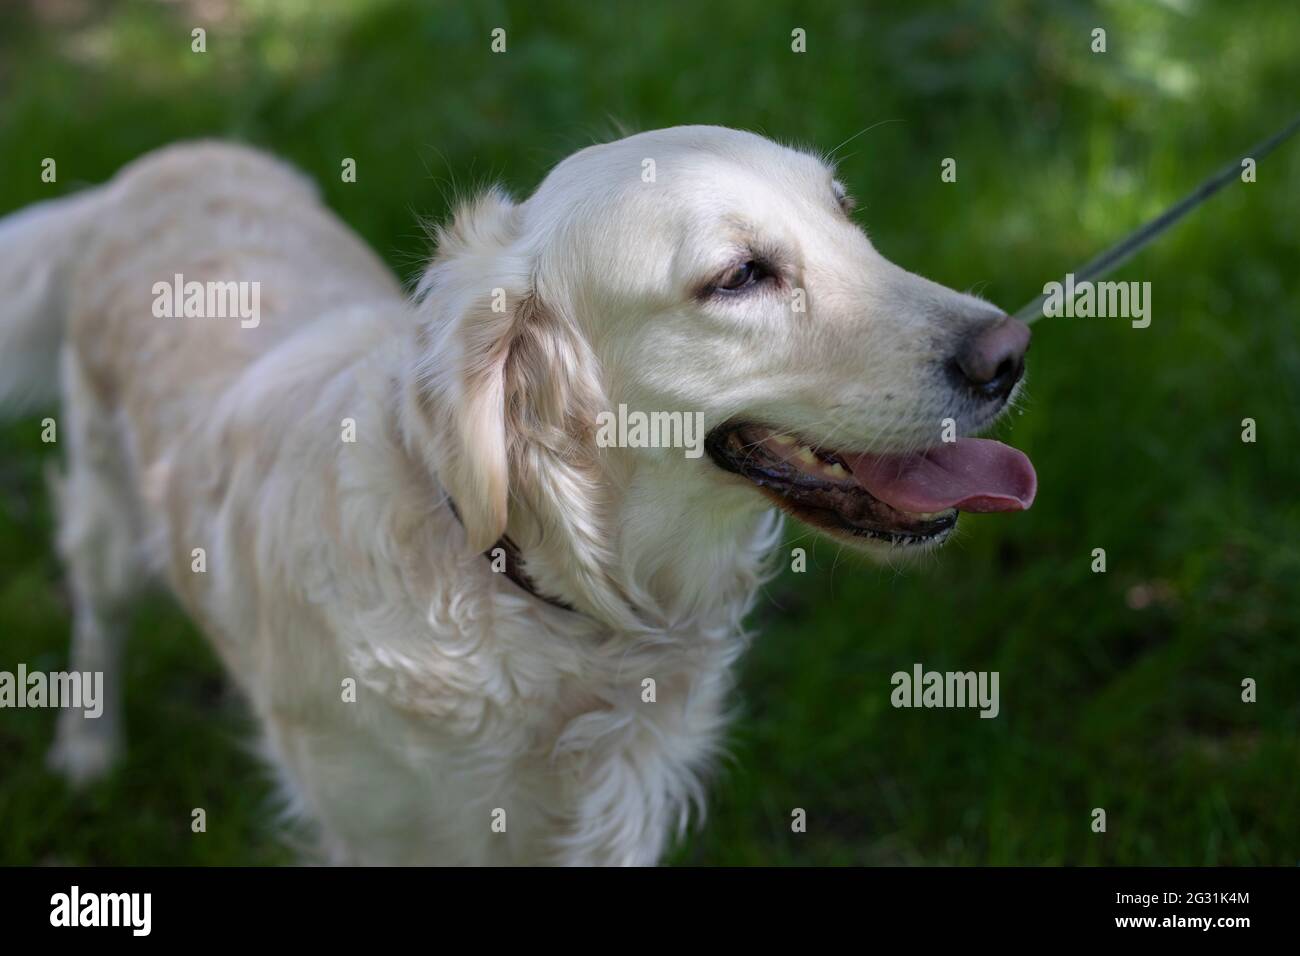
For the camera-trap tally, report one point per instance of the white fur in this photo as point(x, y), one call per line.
point(328, 560)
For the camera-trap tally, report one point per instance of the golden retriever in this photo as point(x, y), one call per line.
point(474, 630)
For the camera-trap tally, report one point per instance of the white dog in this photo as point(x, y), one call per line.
point(472, 633)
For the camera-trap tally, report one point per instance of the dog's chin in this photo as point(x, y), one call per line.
point(816, 486)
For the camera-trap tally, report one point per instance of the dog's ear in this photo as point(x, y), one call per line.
point(471, 299)
point(504, 401)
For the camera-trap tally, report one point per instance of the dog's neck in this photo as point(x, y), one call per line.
point(696, 567)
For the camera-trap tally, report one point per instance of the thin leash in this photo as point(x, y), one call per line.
point(1130, 245)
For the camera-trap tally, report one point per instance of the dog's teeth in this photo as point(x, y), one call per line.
point(806, 456)
point(781, 440)
point(836, 470)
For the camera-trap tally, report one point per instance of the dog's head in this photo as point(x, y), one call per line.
point(705, 271)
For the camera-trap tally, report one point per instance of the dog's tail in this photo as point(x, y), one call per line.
point(38, 247)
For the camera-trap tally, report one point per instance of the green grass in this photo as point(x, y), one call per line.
point(1136, 434)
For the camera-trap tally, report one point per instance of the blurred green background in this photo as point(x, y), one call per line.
point(1118, 690)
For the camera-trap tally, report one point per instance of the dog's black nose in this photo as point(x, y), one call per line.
point(991, 359)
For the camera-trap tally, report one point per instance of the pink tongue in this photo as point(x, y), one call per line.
point(972, 474)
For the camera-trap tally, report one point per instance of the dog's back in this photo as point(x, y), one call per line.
point(205, 216)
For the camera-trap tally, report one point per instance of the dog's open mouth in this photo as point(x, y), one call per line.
point(903, 500)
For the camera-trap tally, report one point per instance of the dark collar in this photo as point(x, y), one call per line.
point(514, 566)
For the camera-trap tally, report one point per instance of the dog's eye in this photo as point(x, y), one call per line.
point(743, 276)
